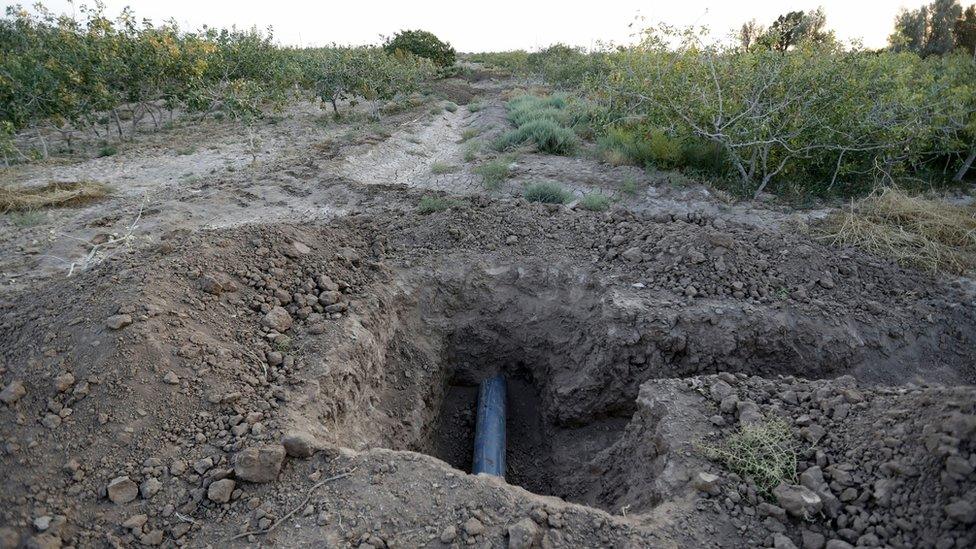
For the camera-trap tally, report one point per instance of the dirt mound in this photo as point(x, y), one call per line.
point(133, 390)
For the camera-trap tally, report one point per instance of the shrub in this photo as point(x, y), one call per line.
point(450, 106)
point(431, 204)
point(422, 44)
point(548, 193)
point(493, 172)
point(475, 106)
point(765, 452)
point(438, 168)
point(468, 133)
point(595, 202)
point(546, 135)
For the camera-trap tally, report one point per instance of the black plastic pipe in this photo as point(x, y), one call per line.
point(489, 432)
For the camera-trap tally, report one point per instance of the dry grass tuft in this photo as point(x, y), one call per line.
point(766, 452)
point(52, 195)
point(930, 234)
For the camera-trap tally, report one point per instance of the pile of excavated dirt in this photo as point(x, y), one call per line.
point(301, 385)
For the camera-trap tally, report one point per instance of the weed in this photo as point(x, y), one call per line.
point(630, 186)
point(26, 218)
point(107, 150)
point(548, 136)
point(493, 172)
point(595, 202)
point(548, 193)
point(469, 133)
point(184, 151)
point(438, 168)
point(437, 109)
point(431, 204)
point(766, 452)
point(450, 106)
point(471, 150)
point(475, 106)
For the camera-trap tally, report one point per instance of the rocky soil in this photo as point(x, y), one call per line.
point(301, 372)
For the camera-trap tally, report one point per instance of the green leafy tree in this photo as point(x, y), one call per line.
point(929, 30)
point(965, 31)
point(422, 44)
point(790, 29)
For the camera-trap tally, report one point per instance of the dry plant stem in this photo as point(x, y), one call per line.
point(308, 497)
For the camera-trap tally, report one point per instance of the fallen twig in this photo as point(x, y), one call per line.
point(301, 505)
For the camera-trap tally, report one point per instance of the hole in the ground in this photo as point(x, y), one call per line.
point(540, 455)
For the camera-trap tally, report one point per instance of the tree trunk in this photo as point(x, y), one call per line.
point(965, 165)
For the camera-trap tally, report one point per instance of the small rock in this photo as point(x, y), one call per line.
point(523, 534)
point(150, 487)
point(135, 522)
point(961, 511)
point(278, 319)
point(122, 490)
point(813, 540)
point(719, 390)
point(838, 544)
point(798, 501)
point(512, 239)
point(707, 482)
point(64, 382)
point(117, 322)
point(203, 465)
point(780, 541)
point(171, 378)
point(473, 527)
point(51, 421)
point(448, 535)
point(633, 254)
point(42, 523)
point(299, 445)
point(13, 392)
point(153, 538)
point(221, 490)
point(259, 463)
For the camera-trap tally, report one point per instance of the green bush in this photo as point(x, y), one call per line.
point(438, 168)
point(493, 172)
point(548, 193)
point(765, 452)
point(595, 202)
point(548, 136)
point(422, 44)
point(431, 204)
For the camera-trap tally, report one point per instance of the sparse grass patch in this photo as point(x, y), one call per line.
point(471, 150)
point(630, 186)
point(548, 193)
point(542, 121)
point(431, 204)
point(51, 195)
point(26, 218)
point(595, 202)
point(450, 106)
point(765, 452)
point(930, 234)
point(184, 151)
point(494, 172)
point(107, 150)
point(475, 106)
point(438, 168)
point(469, 133)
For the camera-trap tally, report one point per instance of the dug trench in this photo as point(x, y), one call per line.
point(369, 335)
point(576, 351)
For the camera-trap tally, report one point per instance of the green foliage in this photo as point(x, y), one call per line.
point(439, 168)
point(932, 29)
point(630, 186)
point(88, 72)
point(548, 193)
point(469, 133)
point(541, 121)
point(430, 204)
point(765, 452)
point(450, 106)
point(422, 44)
point(595, 202)
point(107, 150)
point(27, 218)
point(494, 172)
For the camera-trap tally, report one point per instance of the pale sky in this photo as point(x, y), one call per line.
point(499, 24)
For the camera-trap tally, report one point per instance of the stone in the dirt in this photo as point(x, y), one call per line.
point(707, 482)
point(122, 490)
point(780, 541)
point(13, 392)
point(838, 544)
point(153, 538)
point(135, 522)
point(798, 501)
point(150, 487)
point(171, 378)
point(42, 523)
point(632, 254)
point(523, 534)
point(473, 527)
point(278, 319)
point(719, 390)
point(64, 382)
point(217, 283)
point(448, 534)
point(117, 322)
point(51, 421)
point(813, 540)
point(749, 413)
point(961, 511)
point(221, 490)
point(299, 445)
point(259, 463)
point(329, 297)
